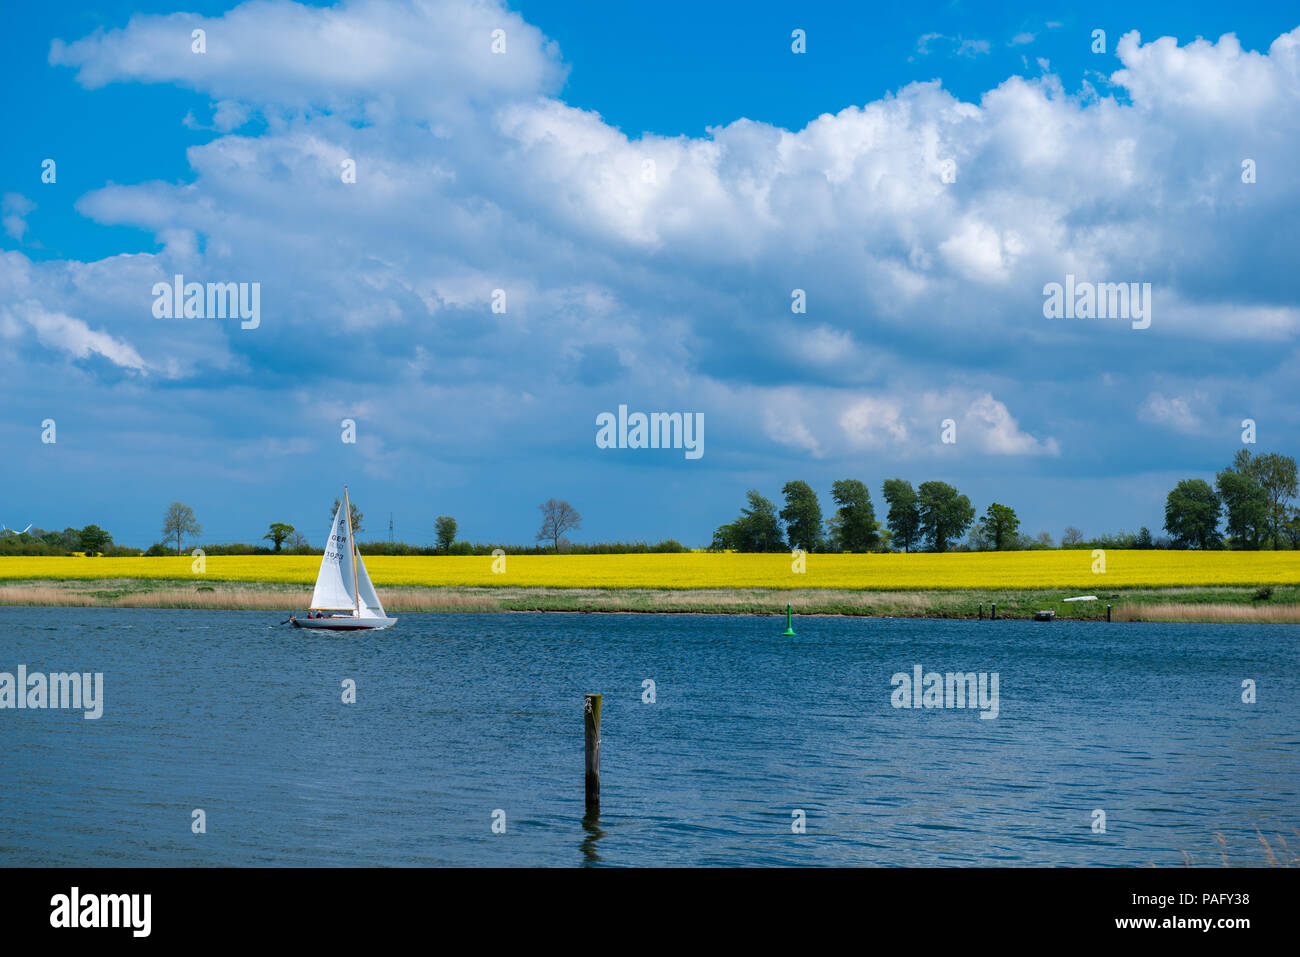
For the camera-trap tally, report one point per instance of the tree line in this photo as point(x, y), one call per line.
point(933, 516)
point(92, 540)
point(180, 527)
point(1251, 497)
point(1249, 506)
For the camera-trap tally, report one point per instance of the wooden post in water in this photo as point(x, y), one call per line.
point(995, 611)
point(1108, 612)
point(591, 725)
point(981, 611)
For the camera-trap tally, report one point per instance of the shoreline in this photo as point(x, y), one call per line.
point(1225, 604)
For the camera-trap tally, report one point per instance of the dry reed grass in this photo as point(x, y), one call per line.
point(134, 594)
point(1191, 611)
point(1141, 605)
point(1285, 856)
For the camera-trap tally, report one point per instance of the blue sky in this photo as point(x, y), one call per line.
point(527, 172)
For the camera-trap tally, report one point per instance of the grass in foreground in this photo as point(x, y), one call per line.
point(1229, 604)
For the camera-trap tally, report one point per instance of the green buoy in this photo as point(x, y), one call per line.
point(789, 631)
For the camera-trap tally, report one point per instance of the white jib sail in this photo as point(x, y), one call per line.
point(370, 607)
point(334, 582)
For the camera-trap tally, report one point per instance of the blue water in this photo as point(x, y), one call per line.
point(458, 716)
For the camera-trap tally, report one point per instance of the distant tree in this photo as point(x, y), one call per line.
point(945, 514)
point(297, 543)
point(884, 537)
point(1192, 514)
point(724, 539)
point(92, 540)
point(1002, 524)
point(979, 540)
point(904, 518)
point(353, 512)
point(1121, 539)
point(1277, 475)
point(1244, 500)
point(1045, 540)
point(445, 527)
point(853, 527)
point(558, 517)
point(1071, 536)
point(278, 533)
point(758, 529)
point(1292, 528)
point(179, 521)
point(1143, 539)
point(802, 516)
point(1021, 542)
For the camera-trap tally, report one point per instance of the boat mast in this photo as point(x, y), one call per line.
point(356, 594)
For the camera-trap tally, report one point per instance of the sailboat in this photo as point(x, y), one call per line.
point(344, 599)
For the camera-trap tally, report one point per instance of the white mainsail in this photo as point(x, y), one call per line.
point(334, 582)
point(370, 606)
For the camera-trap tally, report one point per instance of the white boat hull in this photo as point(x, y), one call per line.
point(345, 623)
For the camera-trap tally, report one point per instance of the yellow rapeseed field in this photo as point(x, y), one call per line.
point(955, 570)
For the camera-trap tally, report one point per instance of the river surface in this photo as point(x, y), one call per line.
point(463, 721)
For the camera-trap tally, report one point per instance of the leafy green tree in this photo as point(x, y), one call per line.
point(761, 528)
point(92, 540)
point(725, 538)
point(802, 516)
point(1277, 475)
point(758, 529)
point(179, 521)
point(353, 512)
point(1002, 524)
point(445, 527)
point(1143, 539)
point(1192, 514)
point(278, 533)
point(853, 526)
point(945, 514)
point(1244, 500)
point(979, 540)
point(904, 518)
